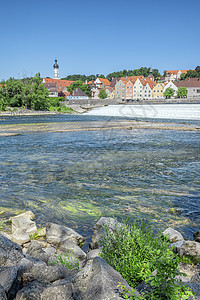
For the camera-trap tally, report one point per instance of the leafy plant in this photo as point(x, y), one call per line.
point(2, 223)
point(69, 262)
point(35, 234)
point(135, 252)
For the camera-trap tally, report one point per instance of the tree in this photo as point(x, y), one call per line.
point(182, 92)
point(183, 76)
point(102, 94)
point(84, 87)
point(169, 93)
point(156, 73)
point(197, 69)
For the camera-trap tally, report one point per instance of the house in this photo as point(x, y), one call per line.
point(108, 91)
point(120, 88)
point(52, 88)
point(78, 94)
point(101, 83)
point(157, 92)
point(171, 85)
point(171, 75)
point(192, 85)
point(61, 85)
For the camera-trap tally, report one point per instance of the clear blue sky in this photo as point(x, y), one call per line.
point(90, 37)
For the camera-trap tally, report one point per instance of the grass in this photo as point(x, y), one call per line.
point(135, 252)
point(67, 261)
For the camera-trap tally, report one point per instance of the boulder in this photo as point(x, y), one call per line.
point(35, 250)
point(93, 253)
point(189, 248)
point(2, 293)
point(10, 252)
point(20, 236)
point(172, 235)
point(56, 234)
point(48, 274)
point(97, 280)
point(99, 230)
point(59, 292)
point(9, 280)
point(195, 278)
point(32, 291)
point(24, 222)
point(68, 247)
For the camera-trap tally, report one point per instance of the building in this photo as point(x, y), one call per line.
point(157, 92)
point(120, 89)
point(56, 70)
point(52, 88)
point(192, 85)
point(171, 85)
point(61, 86)
point(78, 94)
point(171, 75)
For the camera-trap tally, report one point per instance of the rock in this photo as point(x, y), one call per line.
point(172, 235)
point(97, 280)
point(48, 274)
point(10, 252)
point(24, 222)
point(50, 250)
point(176, 246)
point(56, 234)
point(35, 250)
point(70, 247)
point(195, 278)
point(20, 236)
point(99, 230)
point(9, 280)
point(2, 293)
point(93, 253)
point(60, 292)
point(32, 291)
point(196, 236)
point(175, 210)
point(189, 248)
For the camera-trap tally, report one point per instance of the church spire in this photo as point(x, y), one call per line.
point(56, 70)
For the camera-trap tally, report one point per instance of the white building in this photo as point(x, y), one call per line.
point(56, 70)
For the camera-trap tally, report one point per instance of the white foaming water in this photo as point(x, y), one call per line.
point(153, 111)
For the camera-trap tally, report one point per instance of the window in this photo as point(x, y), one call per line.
point(198, 91)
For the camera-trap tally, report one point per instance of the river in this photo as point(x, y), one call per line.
point(74, 178)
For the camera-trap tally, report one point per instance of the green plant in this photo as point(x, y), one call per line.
point(35, 234)
point(135, 252)
point(69, 262)
point(2, 224)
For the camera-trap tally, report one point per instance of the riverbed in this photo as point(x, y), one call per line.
point(68, 174)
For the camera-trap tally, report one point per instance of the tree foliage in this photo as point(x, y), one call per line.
point(84, 87)
point(102, 94)
point(169, 93)
point(182, 92)
point(28, 93)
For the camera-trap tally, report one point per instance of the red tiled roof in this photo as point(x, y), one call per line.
point(105, 81)
point(60, 82)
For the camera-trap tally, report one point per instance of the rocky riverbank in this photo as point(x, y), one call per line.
point(33, 263)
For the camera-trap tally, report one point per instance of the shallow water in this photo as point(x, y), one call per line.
point(73, 178)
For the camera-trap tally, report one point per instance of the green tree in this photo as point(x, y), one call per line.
point(3, 97)
point(169, 93)
point(102, 94)
point(39, 93)
point(84, 87)
point(182, 92)
point(183, 76)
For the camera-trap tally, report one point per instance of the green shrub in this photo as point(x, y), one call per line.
point(135, 252)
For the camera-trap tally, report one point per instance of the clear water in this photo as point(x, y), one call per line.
point(74, 178)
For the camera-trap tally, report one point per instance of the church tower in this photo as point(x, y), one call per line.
point(56, 70)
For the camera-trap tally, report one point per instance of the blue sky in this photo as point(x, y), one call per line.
point(90, 37)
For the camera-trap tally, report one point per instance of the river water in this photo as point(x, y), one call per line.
point(74, 178)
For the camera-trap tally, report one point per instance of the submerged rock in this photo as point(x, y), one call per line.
point(196, 236)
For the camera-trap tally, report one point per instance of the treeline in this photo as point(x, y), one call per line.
point(137, 72)
point(191, 74)
point(28, 93)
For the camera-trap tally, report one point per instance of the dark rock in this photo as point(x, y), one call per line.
point(35, 250)
point(9, 280)
point(59, 292)
point(70, 247)
point(56, 234)
point(10, 252)
point(32, 291)
point(97, 280)
point(48, 274)
point(2, 293)
point(196, 236)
